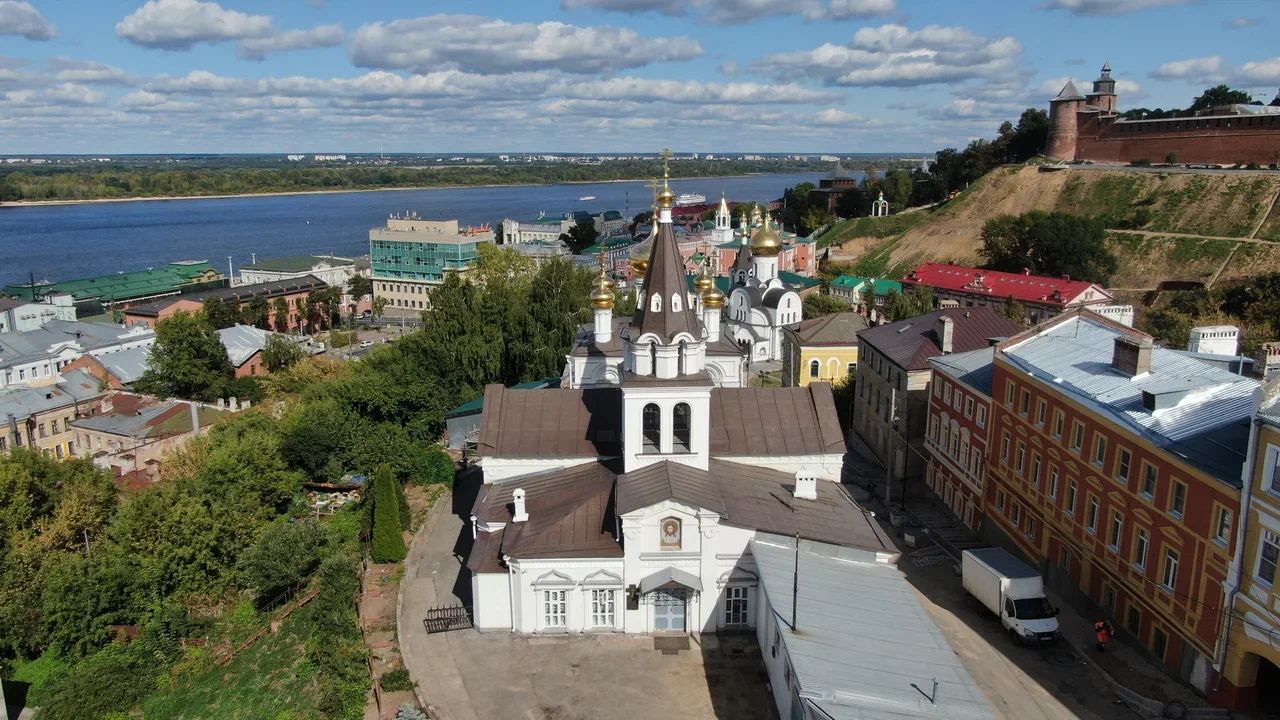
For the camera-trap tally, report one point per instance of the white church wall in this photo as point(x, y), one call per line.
point(492, 595)
point(774, 654)
point(500, 469)
point(531, 579)
point(634, 401)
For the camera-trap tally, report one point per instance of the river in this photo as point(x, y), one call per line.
point(65, 242)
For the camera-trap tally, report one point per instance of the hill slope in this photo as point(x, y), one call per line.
point(1157, 210)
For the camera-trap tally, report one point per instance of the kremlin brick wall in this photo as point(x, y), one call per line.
point(1222, 139)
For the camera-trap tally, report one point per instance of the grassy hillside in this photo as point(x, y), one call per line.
point(1227, 205)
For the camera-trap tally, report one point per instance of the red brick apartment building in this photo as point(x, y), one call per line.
point(1115, 465)
point(959, 431)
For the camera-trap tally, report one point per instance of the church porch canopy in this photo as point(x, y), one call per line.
point(670, 575)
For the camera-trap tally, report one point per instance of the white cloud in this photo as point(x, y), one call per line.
point(323, 36)
point(18, 17)
point(894, 56)
point(1262, 71)
point(631, 7)
point(64, 94)
point(1128, 91)
point(1204, 69)
point(743, 12)
point(730, 68)
point(1109, 7)
point(1241, 23)
point(93, 72)
point(485, 45)
point(694, 92)
point(181, 24)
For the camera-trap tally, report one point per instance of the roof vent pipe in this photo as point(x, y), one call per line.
point(520, 514)
point(1132, 356)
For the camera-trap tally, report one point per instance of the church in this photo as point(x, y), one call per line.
point(760, 304)
point(627, 499)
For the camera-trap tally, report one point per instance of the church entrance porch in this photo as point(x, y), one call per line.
point(670, 607)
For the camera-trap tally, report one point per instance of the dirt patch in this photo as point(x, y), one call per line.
point(1147, 257)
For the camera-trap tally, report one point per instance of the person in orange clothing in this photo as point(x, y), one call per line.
point(1105, 631)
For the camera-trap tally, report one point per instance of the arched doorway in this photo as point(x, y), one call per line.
point(1268, 687)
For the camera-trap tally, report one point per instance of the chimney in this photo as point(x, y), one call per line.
point(520, 514)
point(1132, 356)
point(195, 418)
point(806, 486)
point(107, 404)
point(945, 329)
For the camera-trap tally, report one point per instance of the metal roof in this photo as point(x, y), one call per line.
point(35, 344)
point(974, 368)
point(76, 386)
point(668, 480)
point(1208, 428)
point(243, 342)
point(298, 263)
point(775, 421)
point(127, 365)
point(835, 329)
point(863, 637)
point(910, 343)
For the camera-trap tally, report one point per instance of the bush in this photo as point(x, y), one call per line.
point(1172, 157)
point(409, 712)
point(440, 469)
point(396, 681)
point(388, 541)
point(1141, 162)
point(280, 559)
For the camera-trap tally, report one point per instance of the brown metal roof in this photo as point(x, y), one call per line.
point(668, 480)
point(493, 503)
point(551, 422)
point(775, 421)
point(486, 553)
point(666, 278)
point(835, 329)
point(910, 343)
point(764, 500)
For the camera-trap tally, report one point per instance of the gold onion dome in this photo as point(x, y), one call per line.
point(703, 280)
point(640, 253)
point(666, 196)
point(602, 289)
point(766, 242)
point(712, 297)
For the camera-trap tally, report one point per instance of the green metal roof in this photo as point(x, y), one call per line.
point(121, 286)
point(796, 282)
point(477, 405)
point(880, 286)
point(296, 263)
point(611, 244)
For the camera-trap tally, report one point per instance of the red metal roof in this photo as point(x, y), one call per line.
point(1024, 287)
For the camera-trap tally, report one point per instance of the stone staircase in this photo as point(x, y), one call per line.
point(945, 528)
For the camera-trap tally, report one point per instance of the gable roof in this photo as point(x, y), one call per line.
point(668, 480)
point(22, 402)
point(775, 421)
point(551, 423)
point(243, 342)
point(242, 293)
point(835, 329)
point(879, 286)
point(123, 286)
point(910, 343)
point(1023, 287)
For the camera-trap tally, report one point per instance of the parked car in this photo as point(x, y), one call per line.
point(366, 343)
point(1011, 589)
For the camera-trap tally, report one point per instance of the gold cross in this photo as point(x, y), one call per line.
point(653, 186)
point(666, 155)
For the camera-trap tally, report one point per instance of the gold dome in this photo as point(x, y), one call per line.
point(755, 215)
point(602, 289)
point(766, 242)
point(640, 253)
point(712, 297)
point(703, 281)
point(666, 196)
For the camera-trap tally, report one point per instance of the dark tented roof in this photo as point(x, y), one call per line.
point(666, 278)
point(910, 343)
point(1069, 92)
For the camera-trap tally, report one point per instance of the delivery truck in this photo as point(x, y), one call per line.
point(1013, 591)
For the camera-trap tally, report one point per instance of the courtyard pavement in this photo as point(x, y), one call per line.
point(467, 675)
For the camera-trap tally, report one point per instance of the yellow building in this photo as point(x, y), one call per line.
point(41, 417)
point(1251, 633)
point(824, 349)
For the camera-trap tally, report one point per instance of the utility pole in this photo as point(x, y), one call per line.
point(231, 275)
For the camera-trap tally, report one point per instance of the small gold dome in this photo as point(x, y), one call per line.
point(755, 215)
point(666, 196)
point(640, 253)
point(602, 289)
point(766, 242)
point(712, 297)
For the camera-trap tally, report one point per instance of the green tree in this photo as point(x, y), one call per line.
point(187, 360)
point(900, 306)
point(1013, 311)
point(380, 305)
point(643, 218)
point(221, 314)
point(819, 304)
point(440, 468)
point(255, 312)
point(283, 556)
point(1220, 95)
point(388, 539)
point(1052, 244)
point(280, 353)
point(581, 236)
point(361, 286)
point(1170, 327)
point(280, 311)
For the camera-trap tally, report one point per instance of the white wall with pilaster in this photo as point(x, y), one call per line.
point(634, 400)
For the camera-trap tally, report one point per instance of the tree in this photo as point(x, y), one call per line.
point(256, 312)
point(581, 236)
point(280, 353)
point(1170, 327)
point(1013, 310)
point(1052, 244)
point(221, 314)
point(900, 306)
point(643, 218)
point(282, 557)
point(361, 286)
point(280, 314)
point(1220, 95)
point(388, 538)
point(820, 304)
point(1171, 157)
point(440, 468)
point(380, 305)
point(187, 360)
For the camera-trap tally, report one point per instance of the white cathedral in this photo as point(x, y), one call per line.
point(760, 304)
point(627, 499)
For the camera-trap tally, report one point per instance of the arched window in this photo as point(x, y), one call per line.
point(682, 359)
point(655, 303)
point(680, 429)
point(652, 428)
point(675, 303)
point(813, 368)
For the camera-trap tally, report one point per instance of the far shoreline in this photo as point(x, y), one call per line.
point(91, 201)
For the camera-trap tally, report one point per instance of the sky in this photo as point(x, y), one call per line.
point(801, 76)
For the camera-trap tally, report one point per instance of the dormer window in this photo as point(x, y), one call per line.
point(655, 303)
point(675, 303)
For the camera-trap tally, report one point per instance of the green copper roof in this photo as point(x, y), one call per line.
point(478, 404)
point(879, 285)
point(124, 286)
